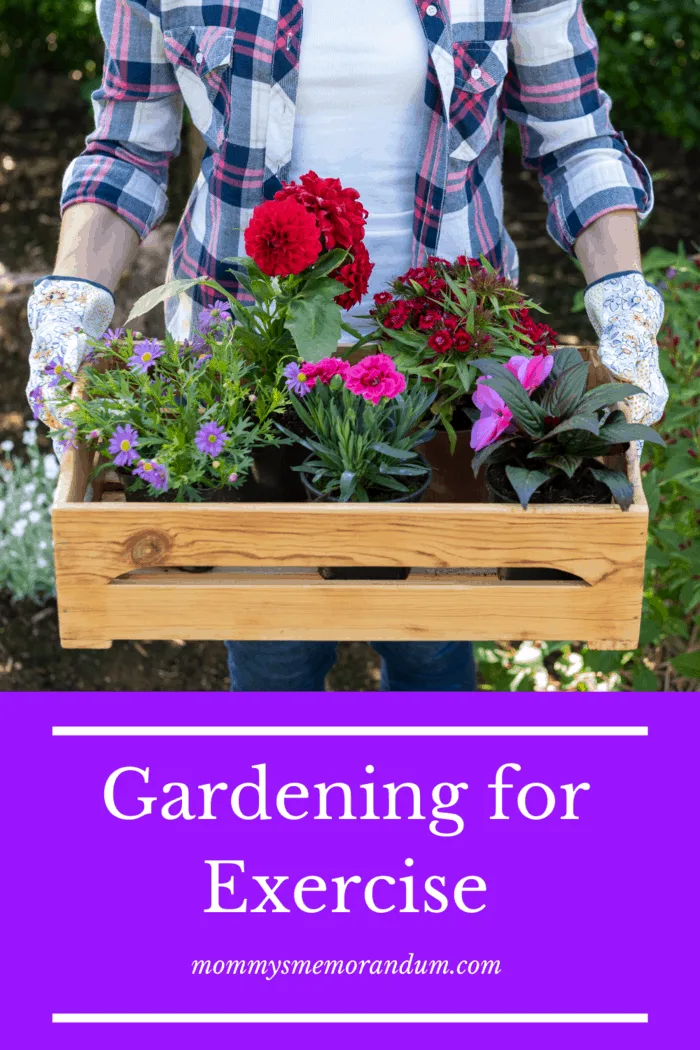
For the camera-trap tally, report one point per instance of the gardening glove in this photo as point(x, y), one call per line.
point(62, 312)
point(626, 313)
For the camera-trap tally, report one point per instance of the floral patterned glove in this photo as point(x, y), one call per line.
point(62, 311)
point(626, 313)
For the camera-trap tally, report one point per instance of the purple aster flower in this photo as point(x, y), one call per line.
point(122, 444)
point(58, 371)
point(297, 381)
point(67, 440)
point(195, 346)
point(154, 473)
point(671, 272)
point(212, 316)
point(145, 353)
point(94, 435)
point(233, 478)
point(210, 439)
point(202, 360)
point(36, 400)
point(113, 335)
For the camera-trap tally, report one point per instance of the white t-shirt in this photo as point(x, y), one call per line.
point(360, 117)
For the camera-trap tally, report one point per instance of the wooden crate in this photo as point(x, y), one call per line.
point(117, 575)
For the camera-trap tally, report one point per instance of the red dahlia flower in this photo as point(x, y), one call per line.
point(355, 276)
point(337, 209)
point(282, 238)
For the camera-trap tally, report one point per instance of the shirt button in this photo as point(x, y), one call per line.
point(476, 73)
point(431, 10)
point(200, 56)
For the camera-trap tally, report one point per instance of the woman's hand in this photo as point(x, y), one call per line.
point(626, 313)
point(62, 312)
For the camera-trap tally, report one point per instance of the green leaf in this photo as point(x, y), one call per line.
point(569, 464)
point(620, 431)
point(326, 288)
point(619, 484)
point(315, 327)
point(644, 680)
point(607, 394)
point(160, 294)
point(525, 482)
point(566, 392)
point(588, 423)
point(329, 263)
point(464, 372)
point(687, 664)
point(348, 482)
point(485, 453)
point(392, 451)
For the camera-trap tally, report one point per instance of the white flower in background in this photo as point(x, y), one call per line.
point(19, 528)
point(2, 509)
point(7, 446)
point(25, 506)
point(42, 499)
point(43, 545)
point(51, 467)
point(41, 562)
point(29, 489)
point(35, 517)
point(29, 438)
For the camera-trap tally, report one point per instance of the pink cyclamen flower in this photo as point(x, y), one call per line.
point(495, 416)
point(375, 377)
point(530, 372)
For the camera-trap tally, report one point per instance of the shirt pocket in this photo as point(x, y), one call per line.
point(202, 59)
point(480, 71)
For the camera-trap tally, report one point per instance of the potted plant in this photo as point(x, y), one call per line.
point(543, 437)
point(441, 316)
point(365, 425)
point(179, 422)
point(306, 262)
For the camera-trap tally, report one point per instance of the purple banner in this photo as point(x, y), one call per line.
point(531, 866)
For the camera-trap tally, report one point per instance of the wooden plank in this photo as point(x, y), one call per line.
point(419, 608)
point(107, 540)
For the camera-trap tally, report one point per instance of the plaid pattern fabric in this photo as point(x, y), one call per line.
point(235, 64)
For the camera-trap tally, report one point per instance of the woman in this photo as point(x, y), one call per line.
point(405, 100)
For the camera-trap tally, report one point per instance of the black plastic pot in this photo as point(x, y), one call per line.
point(272, 478)
point(369, 572)
point(500, 491)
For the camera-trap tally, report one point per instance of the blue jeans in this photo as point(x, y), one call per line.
point(302, 666)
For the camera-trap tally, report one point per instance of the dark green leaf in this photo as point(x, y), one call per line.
point(569, 464)
point(566, 392)
point(607, 394)
point(619, 484)
point(618, 432)
point(330, 262)
point(348, 481)
point(588, 423)
point(528, 415)
point(485, 453)
point(643, 679)
point(525, 482)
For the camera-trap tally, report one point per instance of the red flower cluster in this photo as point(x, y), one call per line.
point(355, 276)
point(282, 238)
point(540, 333)
point(424, 303)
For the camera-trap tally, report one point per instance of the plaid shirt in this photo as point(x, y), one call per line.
point(235, 64)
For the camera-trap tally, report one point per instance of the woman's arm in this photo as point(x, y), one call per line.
point(95, 244)
point(609, 245)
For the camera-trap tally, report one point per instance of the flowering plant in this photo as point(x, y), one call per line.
point(174, 418)
point(542, 431)
point(26, 489)
point(363, 423)
point(441, 316)
point(306, 262)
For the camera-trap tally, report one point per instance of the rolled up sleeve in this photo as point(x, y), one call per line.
point(138, 121)
point(584, 165)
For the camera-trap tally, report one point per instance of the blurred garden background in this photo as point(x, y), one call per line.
point(50, 62)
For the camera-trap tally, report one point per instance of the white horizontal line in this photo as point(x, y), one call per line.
point(350, 1018)
point(350, 731)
